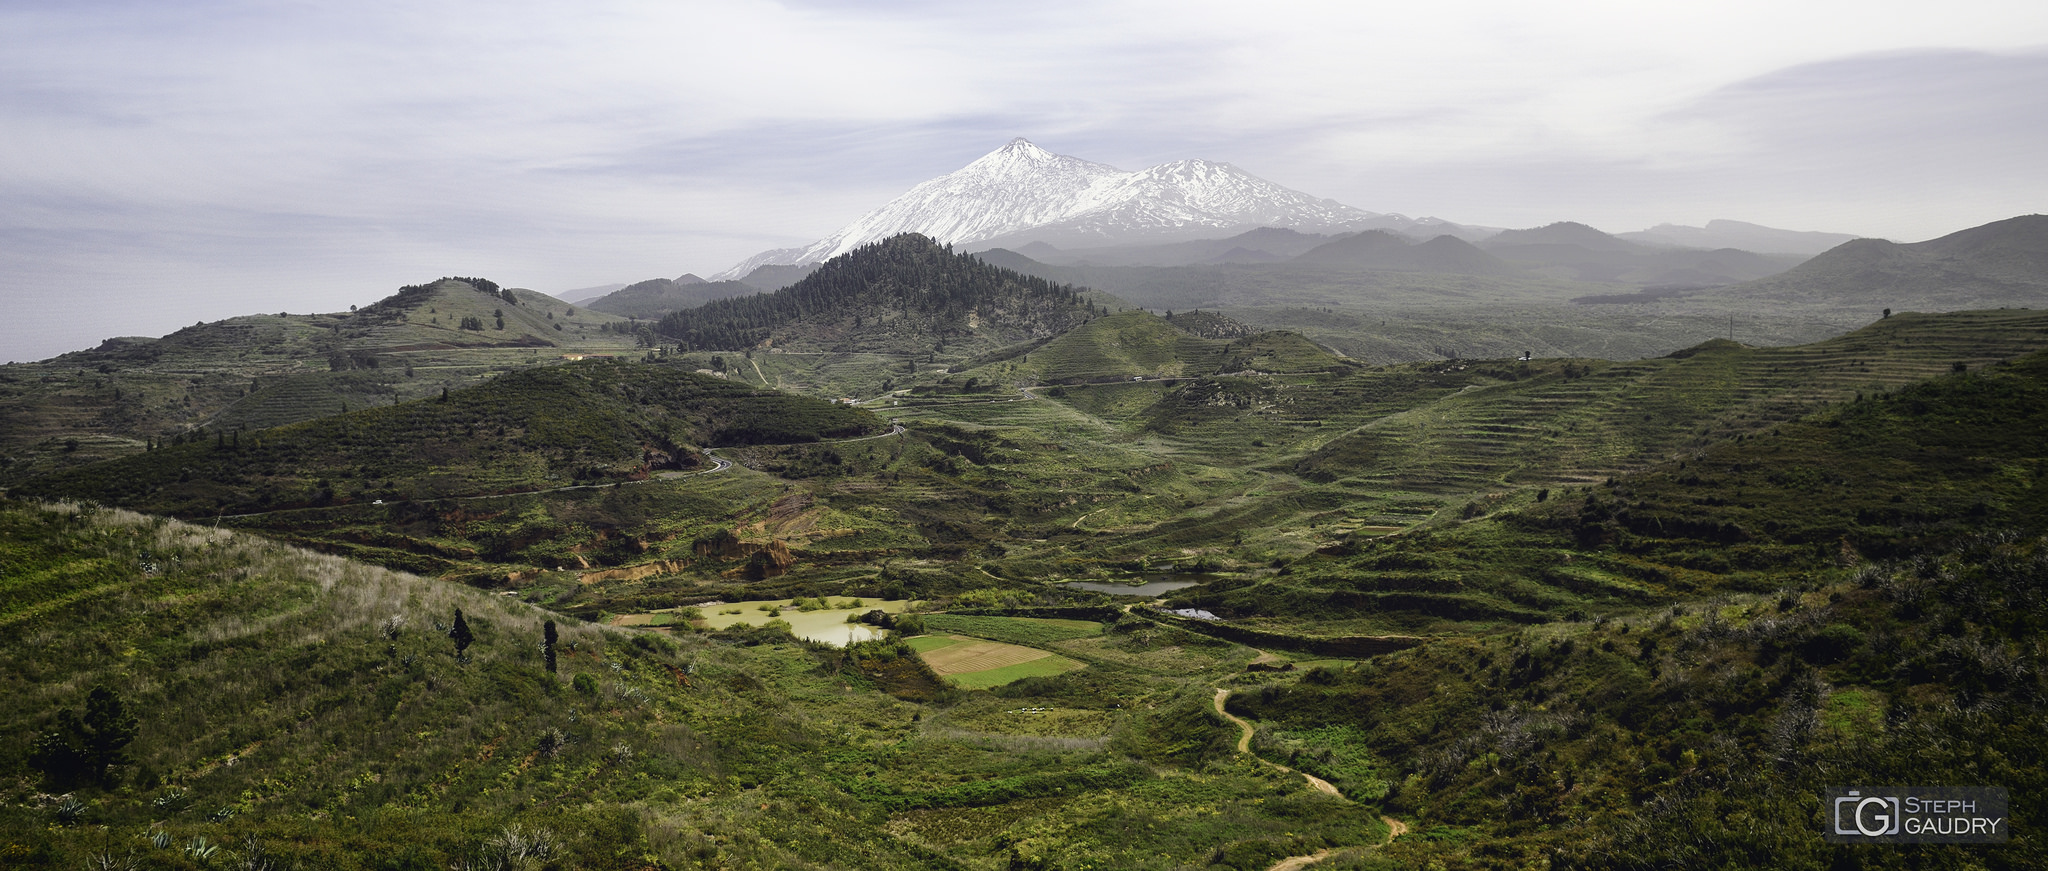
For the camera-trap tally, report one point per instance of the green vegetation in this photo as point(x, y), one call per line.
point(274, 687)
point(995, 677)
point(255, 371)
point(1577, 612)
point(1027, 631)
point(1700, 735)
point(586, 423)
point(903, 294)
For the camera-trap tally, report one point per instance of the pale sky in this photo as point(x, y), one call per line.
point(164, 163)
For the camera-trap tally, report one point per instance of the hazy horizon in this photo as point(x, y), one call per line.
point(173, 164)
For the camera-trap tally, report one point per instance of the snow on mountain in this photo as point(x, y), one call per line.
point(1021, 191)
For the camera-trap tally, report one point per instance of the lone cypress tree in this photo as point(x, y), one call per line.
point(547, 643)
point(460, 632)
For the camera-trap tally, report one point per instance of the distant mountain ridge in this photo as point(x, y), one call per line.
point(1577, 252)
point(1739, 234)
point(659, 296)
point(1379, 249)
point(2003, 263)
point(1022, 193)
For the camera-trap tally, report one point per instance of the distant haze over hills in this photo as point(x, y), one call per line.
point(2003, 263)
point(658, 296)
point(1739, 234)
point(1022, 193)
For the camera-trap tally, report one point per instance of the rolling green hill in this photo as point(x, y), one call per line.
point(1139, 344)
point(903, 295)
point(1585, 612)
point(1912, 470)
point(583, 423)
point(1560, 422)
point(292, 710)
point(1700, 735)
point(271, 369)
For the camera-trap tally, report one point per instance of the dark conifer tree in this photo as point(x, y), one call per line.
point(81, 749)
point(460, 632)
point(547, 643)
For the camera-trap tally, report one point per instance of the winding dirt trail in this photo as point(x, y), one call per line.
point(1395, 828)
point(1244, 745)
point(1296, 863)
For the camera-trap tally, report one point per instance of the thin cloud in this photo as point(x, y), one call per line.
point(171, 162)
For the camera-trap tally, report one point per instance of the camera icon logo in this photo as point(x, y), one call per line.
point(1870, 816)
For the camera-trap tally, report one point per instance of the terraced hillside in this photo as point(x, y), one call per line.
point(582, 423)
point(1552, 422)
point(1882, 477)
point(271, 690)
point(271, 369)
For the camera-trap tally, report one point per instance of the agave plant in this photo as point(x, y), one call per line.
point(70, 811)
point(254, 857)
point(201, 851)
point(107, 861)
point(518, 849)
point(552, 740)
point(172, 800)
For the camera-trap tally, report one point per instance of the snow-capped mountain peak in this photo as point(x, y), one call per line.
point(1021, 191)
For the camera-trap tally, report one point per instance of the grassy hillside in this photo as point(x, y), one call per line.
point(309, 712)
point(1139, 344)
point(587, 422)
point(1557, 422)
point(1291, 452)
point(1619, 584)
point(1883, 477)
point(1701, 735)
point(271, 369)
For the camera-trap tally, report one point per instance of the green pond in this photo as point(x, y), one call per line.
point(826, 626)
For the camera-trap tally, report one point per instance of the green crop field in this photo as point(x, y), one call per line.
point(1028, 631)
point(995, 677)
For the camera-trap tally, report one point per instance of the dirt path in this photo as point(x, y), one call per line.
point(1297, 863)
point(1244, 745)
point(1395, 828)
point(1244, 738)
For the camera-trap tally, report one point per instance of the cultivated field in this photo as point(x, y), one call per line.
point(972, 663)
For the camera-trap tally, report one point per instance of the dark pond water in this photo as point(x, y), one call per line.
point(1151, 586)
